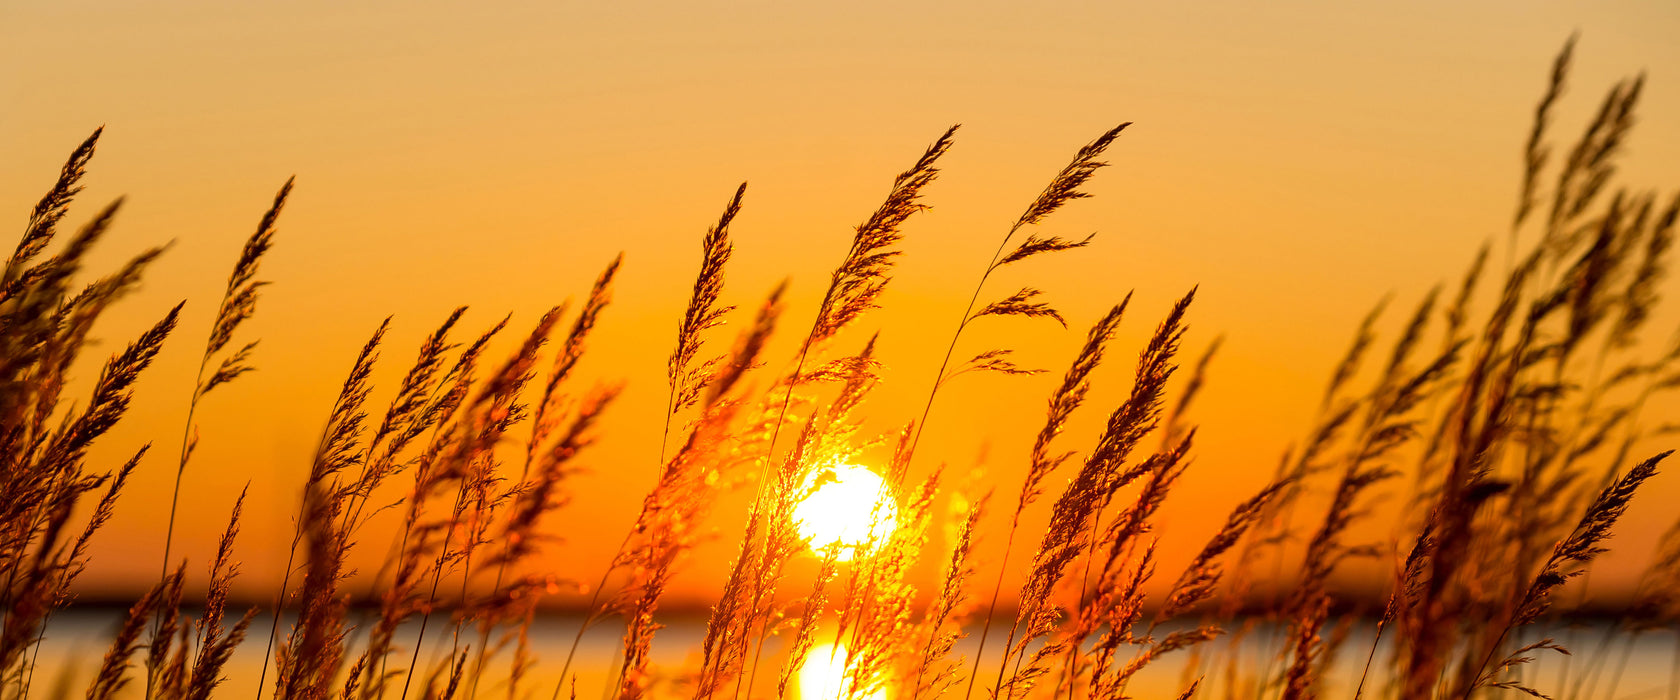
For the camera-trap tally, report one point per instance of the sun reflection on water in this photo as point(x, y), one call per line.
point(823, 677)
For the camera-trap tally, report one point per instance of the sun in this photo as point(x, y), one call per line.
point(845, 511)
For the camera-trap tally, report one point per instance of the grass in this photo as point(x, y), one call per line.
point(1516, 426)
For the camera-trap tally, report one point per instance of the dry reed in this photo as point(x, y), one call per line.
point(1514, 422)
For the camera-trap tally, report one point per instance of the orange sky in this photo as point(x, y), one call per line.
point(1298, 160)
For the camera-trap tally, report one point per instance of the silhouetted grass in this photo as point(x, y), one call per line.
point(1516, 425)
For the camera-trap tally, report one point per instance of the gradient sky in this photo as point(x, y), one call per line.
point(1298, 160)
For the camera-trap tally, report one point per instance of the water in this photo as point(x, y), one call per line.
point(76, 641)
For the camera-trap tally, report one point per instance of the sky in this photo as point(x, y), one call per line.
point(1294, 161)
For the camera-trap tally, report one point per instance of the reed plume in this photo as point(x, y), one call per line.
point(416, 543)
point(1537, 152)
point(52, 208)
point(1103, 473)
point(853, 288)
point(934, 673)
point(308, 661)
point(43, 451)
point(1066, 398)
point(112, 675)
point(877, 613)
point(664, 529)
point(686, 378)
point(239, 303)
point(217, 643)
point(548, 461)
point(1578, 550)
point(336, 452)
point(1199, 579)
point(165, 658)
point(1062, 189)
point(860, 279)
point(45, 473)
point(810, 616)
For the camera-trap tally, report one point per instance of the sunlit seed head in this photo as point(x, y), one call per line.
point(850, 503)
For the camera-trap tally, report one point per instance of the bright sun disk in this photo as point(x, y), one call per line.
point(844, 512)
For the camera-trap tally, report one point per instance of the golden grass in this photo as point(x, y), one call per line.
point(1517, 429)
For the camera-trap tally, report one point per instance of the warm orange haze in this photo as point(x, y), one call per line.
point(547, 400)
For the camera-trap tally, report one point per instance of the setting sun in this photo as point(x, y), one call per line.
point(846, 510)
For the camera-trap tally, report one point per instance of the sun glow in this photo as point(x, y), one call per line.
point(850, 504)
point(823, 676)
